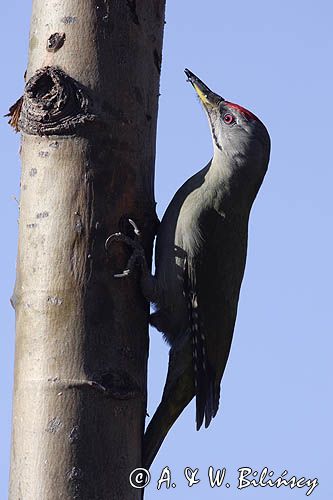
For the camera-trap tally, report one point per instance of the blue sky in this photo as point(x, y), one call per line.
point(276, 402)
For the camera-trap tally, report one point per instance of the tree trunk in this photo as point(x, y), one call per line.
point(88, 121)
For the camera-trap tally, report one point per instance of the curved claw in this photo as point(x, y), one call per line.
point(120, 237)
point(135, 227)
point(109, 239)
point(138, 252)
point(125, 273)
point(123, 237)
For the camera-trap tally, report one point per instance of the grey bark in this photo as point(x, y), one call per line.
point(88, 124)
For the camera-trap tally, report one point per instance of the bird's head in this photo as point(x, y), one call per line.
point(237, 133)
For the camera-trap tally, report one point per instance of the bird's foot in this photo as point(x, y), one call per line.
point(138, 255)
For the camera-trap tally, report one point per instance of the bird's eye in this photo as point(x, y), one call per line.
point(228, 119)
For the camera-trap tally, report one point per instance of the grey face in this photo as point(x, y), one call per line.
point(238, 135)
point(236, 131)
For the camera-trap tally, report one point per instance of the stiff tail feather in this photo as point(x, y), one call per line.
point(178, 392)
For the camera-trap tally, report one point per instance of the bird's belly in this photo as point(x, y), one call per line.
point(172, 304)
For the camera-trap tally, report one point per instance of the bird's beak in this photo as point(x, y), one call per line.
point(208, 98)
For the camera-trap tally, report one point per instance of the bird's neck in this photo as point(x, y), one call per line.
point(224, 181)
point(221, 169)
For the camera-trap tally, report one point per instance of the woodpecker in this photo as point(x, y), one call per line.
point(200, 256)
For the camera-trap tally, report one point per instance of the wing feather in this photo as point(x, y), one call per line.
point(213, 286)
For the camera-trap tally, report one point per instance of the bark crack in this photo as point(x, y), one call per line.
point(132, 7)
point(115, 385)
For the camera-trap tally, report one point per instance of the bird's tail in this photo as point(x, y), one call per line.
point(178, 392)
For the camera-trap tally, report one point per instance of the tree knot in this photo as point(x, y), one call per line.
point(54, 104)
